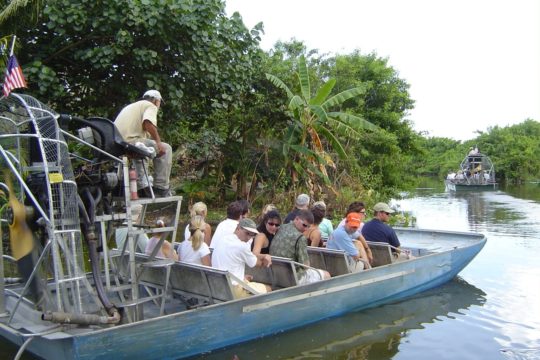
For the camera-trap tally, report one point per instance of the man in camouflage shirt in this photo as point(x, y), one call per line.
point(290, 242)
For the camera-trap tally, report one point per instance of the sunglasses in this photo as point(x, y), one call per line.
point(363, 212)
point(273, 224)
point(305, 225)
point(387, 213)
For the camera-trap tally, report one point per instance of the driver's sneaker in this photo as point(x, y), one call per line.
point(144, 192)
point(162, 192)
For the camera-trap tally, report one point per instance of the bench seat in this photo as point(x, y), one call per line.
point(281, 274)
point(191, 280)
point(333, 261)
point(382, 253)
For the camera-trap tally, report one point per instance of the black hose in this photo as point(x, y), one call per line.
point(88, 216)
point(82, 212)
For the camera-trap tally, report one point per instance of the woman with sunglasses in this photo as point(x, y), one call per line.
point(267, 229)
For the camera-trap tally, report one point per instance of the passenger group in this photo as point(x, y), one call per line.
point(238, 242)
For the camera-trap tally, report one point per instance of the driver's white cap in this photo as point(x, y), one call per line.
point(153, 94)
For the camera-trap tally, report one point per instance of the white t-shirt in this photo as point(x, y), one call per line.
point(232, 254)
point(187, 254)
point(151, 244)
point(130, 120)
point(224, 228)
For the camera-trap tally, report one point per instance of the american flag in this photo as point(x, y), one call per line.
point(14, 76)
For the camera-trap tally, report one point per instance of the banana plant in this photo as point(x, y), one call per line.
point(14, 11)
point(317, 124)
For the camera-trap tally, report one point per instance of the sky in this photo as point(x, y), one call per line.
point(470, 64)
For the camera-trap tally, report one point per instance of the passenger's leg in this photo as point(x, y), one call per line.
point(362, 252)
point(313, 275)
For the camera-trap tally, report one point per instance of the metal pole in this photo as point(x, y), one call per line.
point(2, 278)
point(12, 45)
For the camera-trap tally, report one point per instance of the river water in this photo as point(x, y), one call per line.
point(491, 311)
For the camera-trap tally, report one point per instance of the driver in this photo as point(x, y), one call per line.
point(137, 122)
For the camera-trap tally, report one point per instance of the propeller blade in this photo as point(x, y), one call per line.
point(22, 245)
point(20, 235)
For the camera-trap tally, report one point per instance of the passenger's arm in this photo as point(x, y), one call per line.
point(168, 251)
point(264, 260)
point(205, 260)
point(208, 234)
point(366, 248)
point(259, 242)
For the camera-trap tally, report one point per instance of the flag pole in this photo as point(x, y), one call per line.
point(12, 45)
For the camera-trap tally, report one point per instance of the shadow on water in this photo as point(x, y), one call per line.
point(374, 333)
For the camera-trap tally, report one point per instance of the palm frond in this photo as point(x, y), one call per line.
point(323, 92)
point(354, 121)
point(21, 9)
point(296, 103)
point(321, 174)
point(5, 44)
point(334, 142)
point(280, 84)
point(320, 112)
point(303, 76)
point(304, 150)
point(289, 139)
point(343, 96)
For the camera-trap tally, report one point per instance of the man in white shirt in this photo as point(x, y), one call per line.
point(228, 226)
point(233, 254)
point(137, 122)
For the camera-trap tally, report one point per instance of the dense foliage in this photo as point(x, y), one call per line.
point(514, 151)
point(87, 56)
point(237, 131)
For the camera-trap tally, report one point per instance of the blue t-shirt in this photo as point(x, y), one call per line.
point(376, 230)
point(341, 240)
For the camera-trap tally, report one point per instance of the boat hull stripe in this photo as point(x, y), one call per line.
point(269, 304)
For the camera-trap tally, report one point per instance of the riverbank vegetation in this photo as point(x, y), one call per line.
point(514, 150)
point(243, 122)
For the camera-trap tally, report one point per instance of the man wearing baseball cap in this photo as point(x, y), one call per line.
point(301, 203)
point(343, 239)
point(378, 231)
point(137, 122)
point(233, 254)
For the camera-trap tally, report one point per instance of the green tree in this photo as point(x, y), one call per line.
point(14, 14)
point(383, 159)
point(312, 121)
point(514, 150)
point(439, 156)
point(91, 57)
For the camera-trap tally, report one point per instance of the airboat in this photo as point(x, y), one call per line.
point(476, 172)
point(69, 289)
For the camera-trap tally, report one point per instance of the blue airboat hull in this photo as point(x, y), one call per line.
point(442, 255)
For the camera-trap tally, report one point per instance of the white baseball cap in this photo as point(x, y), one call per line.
point(153, 94)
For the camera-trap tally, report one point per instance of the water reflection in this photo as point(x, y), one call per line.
point(374, 333)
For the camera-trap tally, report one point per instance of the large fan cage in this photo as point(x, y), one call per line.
point(33, 148)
